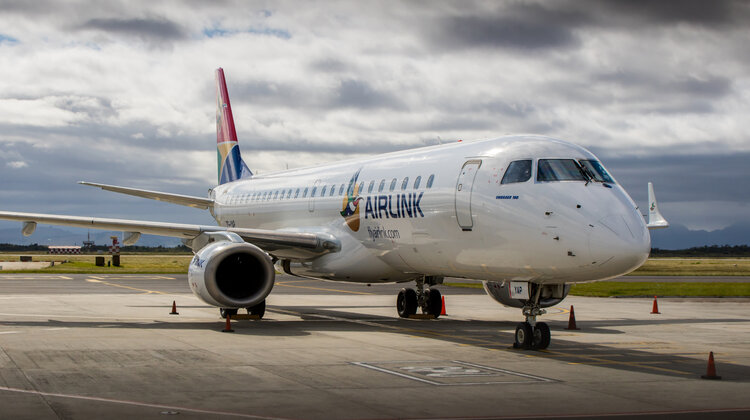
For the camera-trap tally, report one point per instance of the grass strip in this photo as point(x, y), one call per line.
point(616, 288)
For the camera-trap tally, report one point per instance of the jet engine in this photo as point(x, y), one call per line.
point(231, 274)
point(551, 294)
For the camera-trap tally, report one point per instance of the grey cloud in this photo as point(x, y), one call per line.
point(698, 12)
point(502, 32)
point(148, 29)
point(684, 178)
point(359, 94)
point(706, 87)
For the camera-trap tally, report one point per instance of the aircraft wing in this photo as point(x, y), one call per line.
point(293, 245)
point(185, 200)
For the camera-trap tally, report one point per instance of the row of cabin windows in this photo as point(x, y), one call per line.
point(325, 191)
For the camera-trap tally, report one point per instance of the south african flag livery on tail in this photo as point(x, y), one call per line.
point(231, 165)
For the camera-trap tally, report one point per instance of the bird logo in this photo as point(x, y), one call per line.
point(350, 207)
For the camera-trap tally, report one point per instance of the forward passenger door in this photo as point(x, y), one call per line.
point(464, 186)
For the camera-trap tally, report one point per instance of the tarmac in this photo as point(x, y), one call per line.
point(105, 346)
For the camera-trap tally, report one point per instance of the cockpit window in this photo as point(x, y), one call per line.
point(518, 171)
point(596, 171)
point(559, 170)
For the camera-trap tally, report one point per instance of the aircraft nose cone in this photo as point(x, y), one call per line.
point(619, 244)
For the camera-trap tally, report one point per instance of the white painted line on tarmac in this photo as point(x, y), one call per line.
point(137, 403)
point(9, 332)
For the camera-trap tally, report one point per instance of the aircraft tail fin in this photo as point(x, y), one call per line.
point(231, 167)
point(655, 219)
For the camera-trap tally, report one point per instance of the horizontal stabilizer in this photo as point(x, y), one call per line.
point(655, 219)
point(184, 200)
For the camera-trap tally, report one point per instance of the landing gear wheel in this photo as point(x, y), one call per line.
point(224, 312)
point(259, 309)
point(434, 302)
point(542, 337)
point(406, 303)
point(524, 336)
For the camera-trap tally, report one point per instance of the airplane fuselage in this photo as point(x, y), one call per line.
point(443, 211)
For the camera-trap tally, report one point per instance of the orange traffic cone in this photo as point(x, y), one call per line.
point(655, 310)
point(711, 368)
point(228, 325)
point(572, 320)
point(174, 309)
point(442, 310)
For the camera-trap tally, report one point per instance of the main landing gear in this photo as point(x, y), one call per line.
point(259, 310)
point(532, 334)
point(430, 300)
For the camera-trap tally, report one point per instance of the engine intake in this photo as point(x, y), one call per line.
point(231, 274)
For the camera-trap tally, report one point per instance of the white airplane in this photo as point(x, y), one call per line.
point(527, 215)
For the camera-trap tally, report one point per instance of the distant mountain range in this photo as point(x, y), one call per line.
point(674, 237)
point(680, 237)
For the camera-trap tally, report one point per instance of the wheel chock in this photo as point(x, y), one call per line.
point(655, 309)
point(228, 325)
point(442, 310)
point(711, 368)
point(245, 316)
point(572, 320)
point(174, 309)
point(422, 316)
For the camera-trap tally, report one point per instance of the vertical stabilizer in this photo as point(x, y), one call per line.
point(655, 219)
point(231, 165)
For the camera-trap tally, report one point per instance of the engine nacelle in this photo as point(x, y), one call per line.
point(231, 274)
point(552, 294)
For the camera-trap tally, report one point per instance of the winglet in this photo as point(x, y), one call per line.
point(231, 165)
point(655, 219)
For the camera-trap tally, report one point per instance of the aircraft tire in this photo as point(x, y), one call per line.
point(542, 336)
point(259, 309)
point(523, 336)
point(406, 303)
point(434, 302)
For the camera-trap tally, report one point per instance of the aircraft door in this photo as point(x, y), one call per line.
point(464, 186)
point(314, 192)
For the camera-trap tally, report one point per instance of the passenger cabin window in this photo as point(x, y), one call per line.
point(276, 195)
point(314, 190)
point(361, 188)
point(296, 194)
point(381, 186)
point(596, 171)
point(518, 171)
point(304, 193)
point(323, 191)
point(341, 189)
point(417, 181)
point(393, 184)
point(405, 183)
point(429, 181)
point(289, 194)
point(333, 190)
point(370, 187)
point(559, 170)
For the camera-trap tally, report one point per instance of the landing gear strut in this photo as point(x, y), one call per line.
point(532, 334)
point(429, 300)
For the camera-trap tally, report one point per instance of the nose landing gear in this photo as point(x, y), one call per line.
point(531, 334)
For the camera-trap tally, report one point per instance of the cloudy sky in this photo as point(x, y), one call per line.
point(123, 92)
